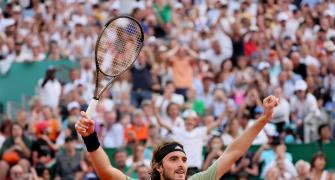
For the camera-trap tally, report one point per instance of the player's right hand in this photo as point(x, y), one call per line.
point(85, 126)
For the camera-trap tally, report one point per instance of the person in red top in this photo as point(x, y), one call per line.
point(251, 45)
point(138, 130)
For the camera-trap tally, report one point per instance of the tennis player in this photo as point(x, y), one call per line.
point(169, 161)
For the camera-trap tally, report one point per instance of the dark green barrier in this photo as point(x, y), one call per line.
point(22, 78)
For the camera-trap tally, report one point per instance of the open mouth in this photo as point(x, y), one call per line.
point(180, 171)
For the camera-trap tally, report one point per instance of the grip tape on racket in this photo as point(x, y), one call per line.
point(91, 108)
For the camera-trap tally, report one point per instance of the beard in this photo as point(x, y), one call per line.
point(167, 176)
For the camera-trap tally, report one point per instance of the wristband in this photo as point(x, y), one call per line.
point(91, 142)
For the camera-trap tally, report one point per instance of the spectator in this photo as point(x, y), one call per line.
point(268, 153)
point(303, 169)
point(138, 131)
point(190, 136)
point(215, 149)
point(120, 156)
point(318, 164)
point(285, 166)
point(281, 112)
point(244, 167)
point(302, 105)
point(324, 132)
point(15, 150)
point(49, 89)
point(143, 172)
point(137, 159)
point(232, 131)
point(141, 77)
point(111, 131)
point(68, 161)
point(181, 59)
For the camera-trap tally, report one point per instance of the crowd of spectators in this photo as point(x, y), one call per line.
point(200, 79)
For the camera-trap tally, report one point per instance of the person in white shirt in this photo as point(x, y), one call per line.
point(191, 137)
point(303, 104)
point(281, 113)
point(111, 131)
point(49, 89)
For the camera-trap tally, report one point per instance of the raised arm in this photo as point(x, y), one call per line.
point(158, 117)
point(241, 144)
point(100, 160)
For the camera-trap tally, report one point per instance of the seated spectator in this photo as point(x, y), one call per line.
point(40, 171)
point(324, 132)
point(244, 167)
point(281, 112)
point(15, 150)
point(231, 131)
point(138, 156)
point(5, 128)
point(43, 149)
point(302, 105)
point(120, 158)
point(87, 168)
point(68, 160)
point(303, 168)
point(215, 148)
point(143, 172)
point(318, 165)
point(16, 172)
point(285, 166)
point(268, 152)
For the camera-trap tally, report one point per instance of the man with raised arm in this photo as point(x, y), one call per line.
point(169, 161)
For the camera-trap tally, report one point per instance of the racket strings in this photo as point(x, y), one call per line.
point(119, 46)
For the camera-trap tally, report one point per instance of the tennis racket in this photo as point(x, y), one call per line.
point(116, 49)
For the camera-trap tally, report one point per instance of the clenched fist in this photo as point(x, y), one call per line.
point(85, 126)
point(269, 103)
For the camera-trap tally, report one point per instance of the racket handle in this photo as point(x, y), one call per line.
point(91, 108)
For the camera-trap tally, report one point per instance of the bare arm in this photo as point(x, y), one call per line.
point(158, 117)
point(100, 160)
point(239, 146)
point(103, 167)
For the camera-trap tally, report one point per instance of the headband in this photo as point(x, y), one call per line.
point(168, 149)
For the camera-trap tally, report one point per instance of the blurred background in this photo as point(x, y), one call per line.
point(204, 70)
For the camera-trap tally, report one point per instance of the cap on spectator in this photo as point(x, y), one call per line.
point(263, 65)
point(328, 12)
point(223, 2)
point(282, 16)
point(138, 112)
point(189, 113)
point(254, 28)
point(17, 9)
point(178, 5)
point(151, 40)
point(300, 85)
point(72, 105)
point(329, 46)
point(115, 6)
